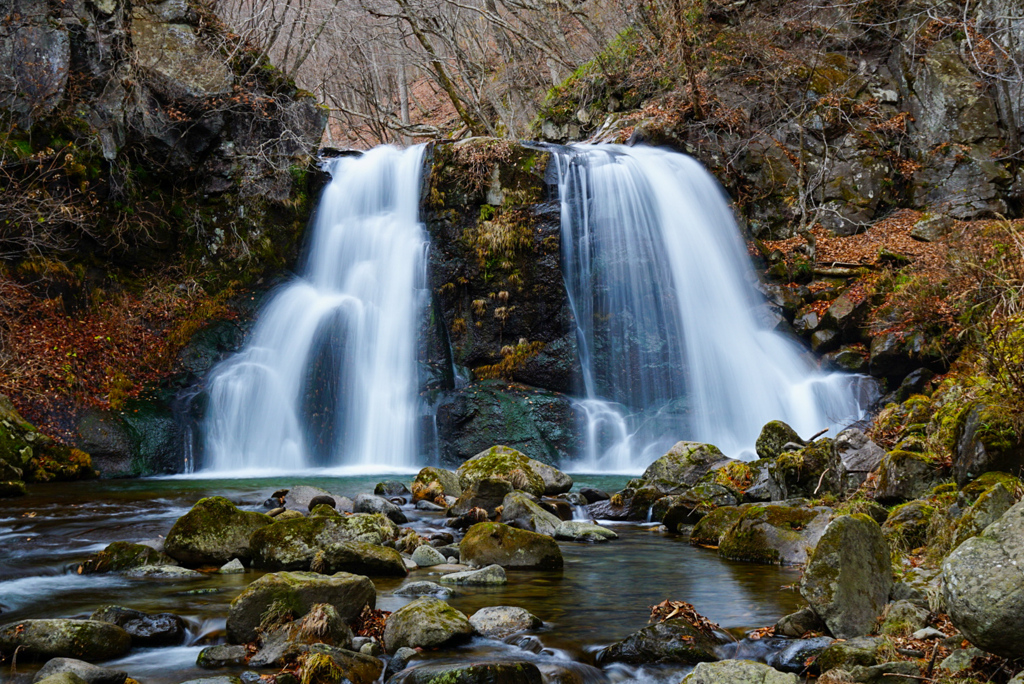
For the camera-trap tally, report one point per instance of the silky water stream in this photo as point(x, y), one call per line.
point(603, 594)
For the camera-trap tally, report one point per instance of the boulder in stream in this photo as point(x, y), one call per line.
point(433, 484)
point(293, 544)
point(774, 534)
point(89, 673)
point(498, 622)
point(486, 493)
point(583, 531)
point(738, 672)
point(63, 638)
point(296, 593)
point(671, 641)
point(507, 464)
point(499, 544)
point(685, 463)
point(146, 629)
point(213, 532)
point(519, 510)
point(120, 556)
point(492, 574)
point(501, 672)
point(425, 623)
point(371, 503)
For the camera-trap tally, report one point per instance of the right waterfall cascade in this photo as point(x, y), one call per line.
point(671, 344)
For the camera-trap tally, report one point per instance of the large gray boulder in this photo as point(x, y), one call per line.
point(519, 510)
point(685, 463)
point(60, 638)
point(371, 503)
point(91, 674)
point(738, 672)
point(425, 623)
point(849, 576)
point(297, 592)
point(505, 463)
point(501, 621)
point(855, 456)
point(983, 585)
point(294, 544)
point(213, 532)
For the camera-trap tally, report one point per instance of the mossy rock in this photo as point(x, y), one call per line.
point(989, 507)
point(799, 472)
point(360, 558)
point(11, 488)
point(710, 529)
point(738, 672)
point(907, 526)
point(774, 436)
point(844, 655)
point(88, 640)
point(685, 463)
point(426, 623)
point(213, 532)
point(294, 544)
point(501, 672)
point(505, 463)
point(906, 475)
point(970, 492)
point(774, 534)
point(987, 440)
point(292, 594)
point(520, 510)
point(120, 556)
point(849, 576)
point(674, 641)
point(431, 483)
point(357, 668)
point(499, 544)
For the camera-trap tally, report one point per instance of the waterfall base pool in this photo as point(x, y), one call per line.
point(603, 593)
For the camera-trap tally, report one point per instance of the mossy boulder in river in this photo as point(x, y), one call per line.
point(292, 594)
point(495, 543)
point(213, 532)
point(710, 529)
point(293, 544)
point(425, 623)
point(504, 463)
point(738, 672)
point(82, 639)
point(774, 534)
point(432, 483)
point(487, 493)
point(849, 576)
point(502, 672)
point(774, 437)
point(120, 556)
point(360, 558)
point(519, 510)
point(983, 585)
point(672, 641)
point(685, 463)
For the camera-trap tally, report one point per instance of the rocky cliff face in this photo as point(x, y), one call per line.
point(503, 345)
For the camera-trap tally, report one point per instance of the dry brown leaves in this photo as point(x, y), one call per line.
point(667, 610)
point(370, 623)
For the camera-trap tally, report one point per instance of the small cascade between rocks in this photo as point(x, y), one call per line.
point(328, 378)
point(671, 345)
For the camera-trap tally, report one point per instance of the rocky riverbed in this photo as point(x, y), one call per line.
point(508, 570)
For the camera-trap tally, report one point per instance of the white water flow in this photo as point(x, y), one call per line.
point(329, 376)
point(670, 342)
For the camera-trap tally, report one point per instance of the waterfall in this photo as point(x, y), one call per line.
point(329, 375)
point(671, 346)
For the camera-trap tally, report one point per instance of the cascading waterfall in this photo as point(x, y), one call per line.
point(670, 342)
point(329, 376)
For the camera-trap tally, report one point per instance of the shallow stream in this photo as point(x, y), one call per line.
point(603, 594)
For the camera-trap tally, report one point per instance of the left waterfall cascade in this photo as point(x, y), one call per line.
point(328, 377)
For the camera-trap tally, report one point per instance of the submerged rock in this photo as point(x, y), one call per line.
point(496, 543)
point(984, 586)
point(61, 638)
point(213, 532)
point(146, 629)
point(173, 573)
point(422, 588)
point(425, 623)
point(295, 593)
point(849, 576)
